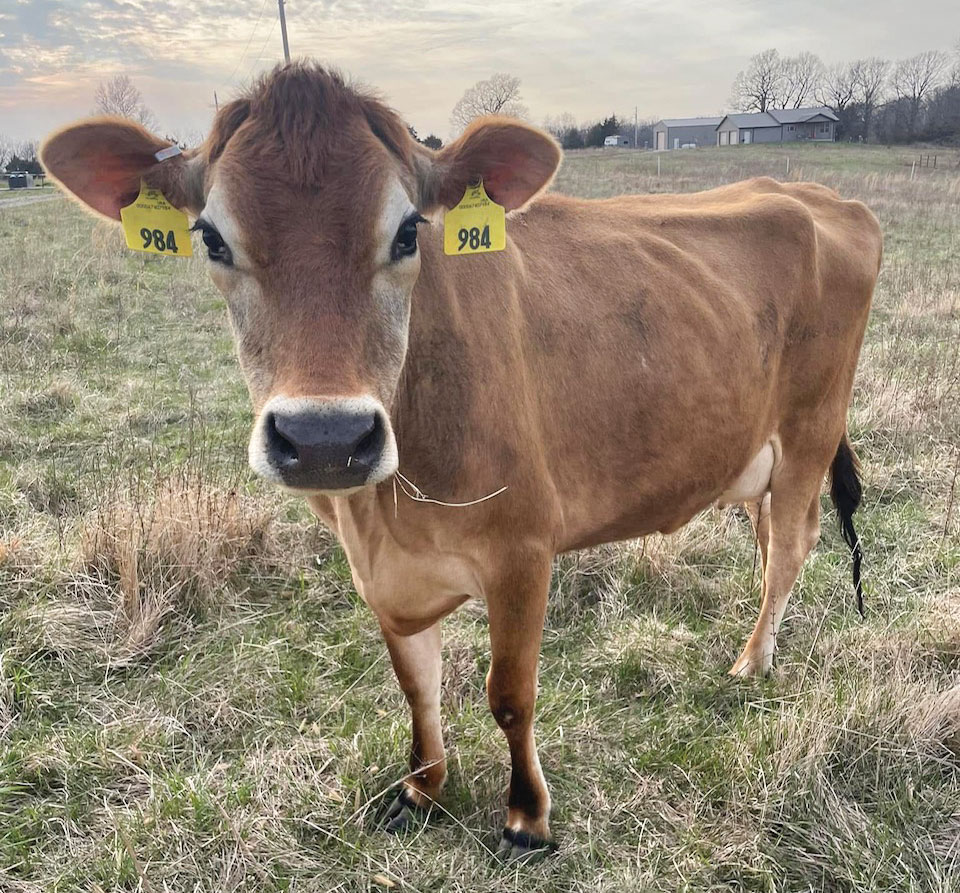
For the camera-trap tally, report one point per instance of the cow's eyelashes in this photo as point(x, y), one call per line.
point(217, 249)
point(405, 243)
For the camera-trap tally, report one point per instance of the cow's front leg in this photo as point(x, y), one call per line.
point(416, 661)
point(516, 607)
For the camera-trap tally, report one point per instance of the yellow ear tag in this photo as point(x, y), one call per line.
point(152, 224)
point(476, 225)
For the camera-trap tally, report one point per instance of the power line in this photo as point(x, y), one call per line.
point(262, 48)
point(236, 68)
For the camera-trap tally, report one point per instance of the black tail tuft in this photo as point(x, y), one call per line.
point(846, 492)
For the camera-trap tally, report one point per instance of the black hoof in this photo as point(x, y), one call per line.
point(521, 847)
point(404, 814)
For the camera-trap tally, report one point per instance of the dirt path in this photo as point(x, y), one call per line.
point(22, 200)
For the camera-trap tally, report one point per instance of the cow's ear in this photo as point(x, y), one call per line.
point(101, 162)
point(515, 161)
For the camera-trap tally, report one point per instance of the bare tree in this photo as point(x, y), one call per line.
point(6, 149)
point(119, 96)
point(26, 149)
point(836, 88)
point(185, 138)
point(566, 130)
point(22, 156)
point(500, 95)
point(558, 125)
point(802, 75)
point(869, 78)
point(761, 86)
point(913, 79)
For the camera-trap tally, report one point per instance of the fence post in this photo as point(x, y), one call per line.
point(913, 168)
point(658, 165)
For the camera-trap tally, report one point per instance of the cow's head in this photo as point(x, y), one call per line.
point(308, 194)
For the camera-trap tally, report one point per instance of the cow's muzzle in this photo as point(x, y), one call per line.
point(323, 444)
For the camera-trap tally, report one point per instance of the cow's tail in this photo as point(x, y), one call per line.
point(846, 492)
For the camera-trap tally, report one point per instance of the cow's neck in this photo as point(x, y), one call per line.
point(462, 348)
point(454, 418)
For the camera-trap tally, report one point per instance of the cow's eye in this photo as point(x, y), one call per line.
point(405, 244)
point(217, 249)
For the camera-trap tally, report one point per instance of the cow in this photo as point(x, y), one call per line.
point(622, 365)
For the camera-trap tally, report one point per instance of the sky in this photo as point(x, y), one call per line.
point(668, 58)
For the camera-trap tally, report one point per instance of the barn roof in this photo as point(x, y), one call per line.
point(691, 122)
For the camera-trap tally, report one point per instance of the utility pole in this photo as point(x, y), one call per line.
point(636, 130)
point(283, 31)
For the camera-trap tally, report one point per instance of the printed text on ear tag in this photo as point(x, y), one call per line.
point(476, 225)
point(152, 224)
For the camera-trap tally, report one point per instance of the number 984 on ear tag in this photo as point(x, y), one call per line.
point(476, 225)
point(152, 224)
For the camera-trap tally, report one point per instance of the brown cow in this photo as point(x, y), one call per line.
point(622, 365)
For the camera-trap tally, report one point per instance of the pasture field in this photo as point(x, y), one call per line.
point(20, 194)
point(193, 698)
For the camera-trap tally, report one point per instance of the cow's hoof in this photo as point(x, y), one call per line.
point(748, 665)
point(520, 847)
point(404, 814)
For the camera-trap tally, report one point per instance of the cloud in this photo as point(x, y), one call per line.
point(588, 57)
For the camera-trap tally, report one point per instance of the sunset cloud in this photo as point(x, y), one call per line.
point(590, 58)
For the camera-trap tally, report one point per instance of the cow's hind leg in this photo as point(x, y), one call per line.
point(792, 528)
point(759, 513)
point(517, 605)
point(417, 663)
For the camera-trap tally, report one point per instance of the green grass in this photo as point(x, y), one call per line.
point(192, 697)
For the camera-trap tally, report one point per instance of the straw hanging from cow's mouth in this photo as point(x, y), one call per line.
point(419, 496)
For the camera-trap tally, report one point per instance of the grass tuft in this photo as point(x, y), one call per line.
point(171, 554)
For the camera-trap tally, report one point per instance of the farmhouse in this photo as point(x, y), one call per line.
point(777, 126)
point(675, 133)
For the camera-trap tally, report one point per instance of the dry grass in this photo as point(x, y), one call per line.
point(192, 698)
point(168, 554)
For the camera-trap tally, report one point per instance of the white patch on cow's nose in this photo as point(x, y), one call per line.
point(329, 445)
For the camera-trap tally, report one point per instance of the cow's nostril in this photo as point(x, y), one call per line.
point(368, 448)
point(282, 451)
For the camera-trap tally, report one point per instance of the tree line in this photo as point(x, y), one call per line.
point(500, 95)
point(19, 155)
point(572, 135)
point(875, 99)
point(916, 99)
